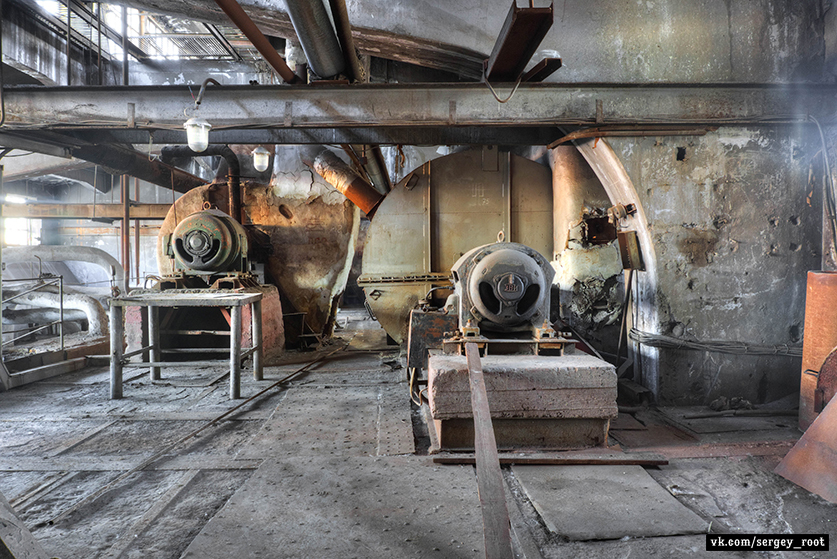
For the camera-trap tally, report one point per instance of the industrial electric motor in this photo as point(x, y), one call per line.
point(209, 241)
point(503, 288)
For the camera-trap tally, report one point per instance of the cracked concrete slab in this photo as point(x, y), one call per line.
point(364, 507)
point(605, 502)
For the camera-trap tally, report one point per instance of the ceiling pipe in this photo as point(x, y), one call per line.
point(373, 164)
point(342, 177)
point(233, 176)
point(241, 20)
point(119, 160)
point(317, 36)
point(379, 169)
point(344, 33)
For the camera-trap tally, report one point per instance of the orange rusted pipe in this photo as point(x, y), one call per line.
point(343, 178)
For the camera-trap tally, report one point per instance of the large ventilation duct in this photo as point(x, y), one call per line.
point(61, 253)
point(317, 37)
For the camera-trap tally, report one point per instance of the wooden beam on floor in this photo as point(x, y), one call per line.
point(161, 504)
point(559, 459)
point(495, 513)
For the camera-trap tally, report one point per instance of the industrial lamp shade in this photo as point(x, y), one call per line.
point(261, 157)
point(197, 133)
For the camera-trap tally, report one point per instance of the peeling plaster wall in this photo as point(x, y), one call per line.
point(736, 225)
point(589, 278)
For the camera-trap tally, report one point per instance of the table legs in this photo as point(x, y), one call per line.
point(154, 354)
point(116, 335)
point(235, 352)
point(256, 334)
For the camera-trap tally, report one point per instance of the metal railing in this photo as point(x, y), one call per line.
point(44, 282)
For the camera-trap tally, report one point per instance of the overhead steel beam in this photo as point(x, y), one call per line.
point(389, 135)
point(85, 211)
point(38, 165)
point(424, 106)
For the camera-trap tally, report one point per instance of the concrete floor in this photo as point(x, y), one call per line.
point(335, 465)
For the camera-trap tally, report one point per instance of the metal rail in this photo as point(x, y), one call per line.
point(153, 458)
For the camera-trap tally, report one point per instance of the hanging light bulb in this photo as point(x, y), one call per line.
point(261, 157)
point(197, 133)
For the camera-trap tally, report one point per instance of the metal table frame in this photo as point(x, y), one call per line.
point(234, 301)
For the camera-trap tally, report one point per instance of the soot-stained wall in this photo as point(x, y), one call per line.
point(735, 218)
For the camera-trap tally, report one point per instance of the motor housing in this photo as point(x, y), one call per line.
point(209, 241)
point(503, 287)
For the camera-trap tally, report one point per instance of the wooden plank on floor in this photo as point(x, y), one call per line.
point(719, 450)
point(68, 445)
point(98, 464)
point(15, 538)
point(22, 502)
point(523, 542)
point(560, 459)
point(141, 525)
point(495, 514)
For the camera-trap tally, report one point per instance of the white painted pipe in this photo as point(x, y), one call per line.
point(97, 319)
point(60, 253)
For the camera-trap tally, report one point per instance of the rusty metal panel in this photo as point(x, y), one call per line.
point(812, 462)
point(426, 331)
point(629, 251)
point(531, 205)
point(819, 340)
point(468, 206)
point(827, 381)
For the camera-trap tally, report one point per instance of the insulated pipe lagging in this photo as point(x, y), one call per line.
point(97, 318)
point(317, 37)
point(344, 179)
point(25, 315)
point(60, 253)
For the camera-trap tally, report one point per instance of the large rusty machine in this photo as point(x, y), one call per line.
point(209, 249)
point(208, 255)
point(455, 258)
point(542, 393)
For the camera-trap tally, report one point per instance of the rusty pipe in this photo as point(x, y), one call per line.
point(344, 179)
point(241, 20)
point(316, 36)
point(344, 33)
point(233, 174)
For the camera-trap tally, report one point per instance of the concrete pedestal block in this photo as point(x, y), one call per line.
point(535, 401)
